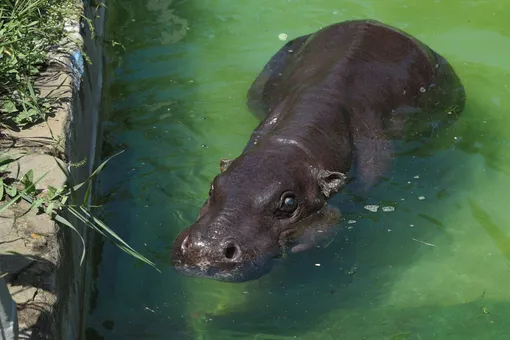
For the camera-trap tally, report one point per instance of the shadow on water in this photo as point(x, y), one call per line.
point(147, 91)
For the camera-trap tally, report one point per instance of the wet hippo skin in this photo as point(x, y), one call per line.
point(329, 101)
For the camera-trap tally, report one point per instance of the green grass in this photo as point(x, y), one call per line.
point(29, 31)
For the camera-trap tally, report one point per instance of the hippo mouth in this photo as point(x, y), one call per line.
point(225, 259)
point(228, 272)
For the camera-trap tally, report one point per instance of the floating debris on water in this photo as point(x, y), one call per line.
point(411, 225)
point(388, 209)
point(425, 243)
point(282, 36)
point(317, 265)
point(416, 176)
point(421, 198)
point(351, 222)
point(372, 208)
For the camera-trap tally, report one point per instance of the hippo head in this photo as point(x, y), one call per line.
point(260, 204)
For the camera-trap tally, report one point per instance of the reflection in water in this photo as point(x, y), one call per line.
point(174, 27)
point(175, 101)
point(500, 238)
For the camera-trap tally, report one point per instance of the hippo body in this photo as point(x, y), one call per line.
point(328, 101)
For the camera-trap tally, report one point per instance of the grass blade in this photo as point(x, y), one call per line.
point(65, 222)
point(118, 241)
point(98, 169)
point(21, 193)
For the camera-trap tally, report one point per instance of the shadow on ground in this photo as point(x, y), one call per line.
point(29, 277)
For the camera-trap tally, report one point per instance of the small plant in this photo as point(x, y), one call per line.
point(58, 202)
point(29, 30)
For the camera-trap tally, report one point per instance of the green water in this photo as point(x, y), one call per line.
point(435, 268)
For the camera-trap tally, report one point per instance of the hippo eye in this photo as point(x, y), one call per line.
point(211, 190)
point(288, 203)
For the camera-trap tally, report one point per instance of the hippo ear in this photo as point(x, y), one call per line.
point(225, 163)
point(330, 182)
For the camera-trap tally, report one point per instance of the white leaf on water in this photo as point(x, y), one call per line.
point(372, 207)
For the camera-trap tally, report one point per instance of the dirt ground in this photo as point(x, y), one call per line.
point(29, 251)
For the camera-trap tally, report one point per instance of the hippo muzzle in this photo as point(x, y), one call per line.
point(226, 259)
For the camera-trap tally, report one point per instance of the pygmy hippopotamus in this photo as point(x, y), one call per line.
point(328, 101)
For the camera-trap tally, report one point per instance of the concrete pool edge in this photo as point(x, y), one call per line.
point(40, 258)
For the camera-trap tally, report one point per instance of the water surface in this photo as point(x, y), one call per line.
point(435, 268)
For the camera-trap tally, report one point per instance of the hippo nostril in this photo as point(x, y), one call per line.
point(185, 244)
point(231, 251)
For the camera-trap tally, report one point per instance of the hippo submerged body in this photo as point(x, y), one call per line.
point(328, 101)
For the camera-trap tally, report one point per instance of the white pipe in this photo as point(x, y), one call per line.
point(8, 315)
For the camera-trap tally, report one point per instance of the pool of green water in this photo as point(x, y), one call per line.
point(435, 268)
